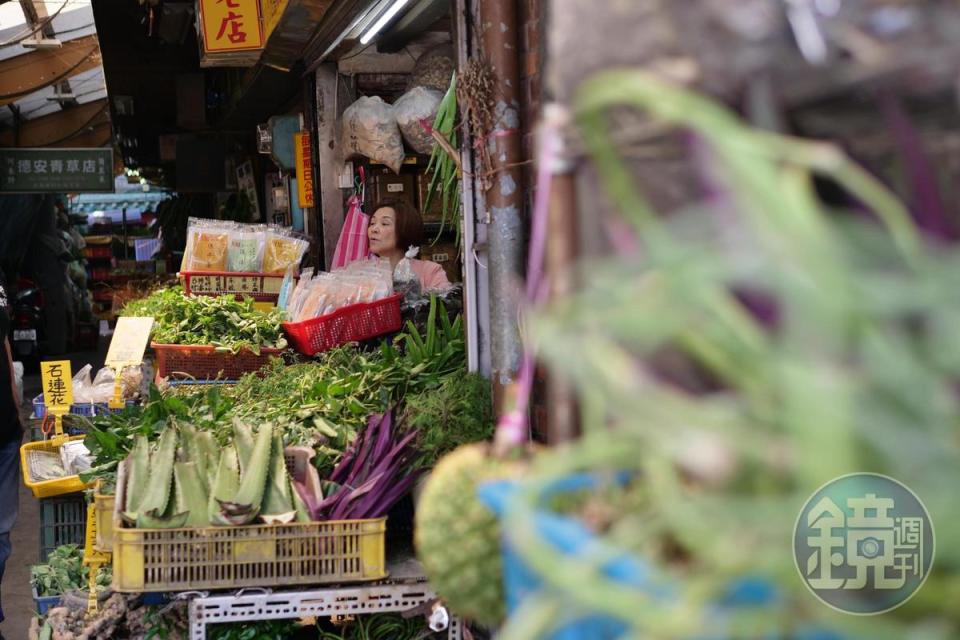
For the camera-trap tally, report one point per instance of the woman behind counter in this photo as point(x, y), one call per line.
point(394, 227)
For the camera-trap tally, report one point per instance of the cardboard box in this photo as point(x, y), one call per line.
point(384, 183)
point(447, 255)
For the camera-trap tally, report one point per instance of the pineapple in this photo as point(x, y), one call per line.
point(458, 538)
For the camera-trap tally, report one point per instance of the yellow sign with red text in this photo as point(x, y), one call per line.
point(57, 386)
point(304, 160)
point(230, 25)
point(272, 11)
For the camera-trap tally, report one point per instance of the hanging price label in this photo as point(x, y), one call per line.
point(129, 341)
point(57, 386)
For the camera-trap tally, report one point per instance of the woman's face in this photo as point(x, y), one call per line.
point(382, 231)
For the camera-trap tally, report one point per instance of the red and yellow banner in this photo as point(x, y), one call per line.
point(303, 158)
point(230, 25)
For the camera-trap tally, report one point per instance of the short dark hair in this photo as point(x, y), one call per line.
point(407, 222)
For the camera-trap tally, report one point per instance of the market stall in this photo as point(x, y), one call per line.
point(238, 450)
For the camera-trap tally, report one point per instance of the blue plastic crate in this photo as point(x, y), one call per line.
point(44, 603)
point(88, 409)
point(570, 538)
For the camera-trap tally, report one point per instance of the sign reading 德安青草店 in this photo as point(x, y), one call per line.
point(27, 170)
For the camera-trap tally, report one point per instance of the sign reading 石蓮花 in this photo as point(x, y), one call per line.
point(27, 170)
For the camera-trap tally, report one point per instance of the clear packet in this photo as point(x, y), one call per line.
point(207, 242)
point(246, 248)
point(283, 249)
point(286, 288)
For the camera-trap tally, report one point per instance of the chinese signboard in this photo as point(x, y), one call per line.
point(272, 11)
point(27, 170)
point(57, 385)
point(304, 161)
point(230, 25)
point(864, 543)
point(129, 341)
point(241, 284)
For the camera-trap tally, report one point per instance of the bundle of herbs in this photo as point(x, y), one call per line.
point(457, 412)
point(65, 572)
point(110, 437)
point(224, 322)
point(374, 473)
point(323, 404)
point(378, 626)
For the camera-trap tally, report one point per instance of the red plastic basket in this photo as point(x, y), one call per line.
point(204, 362)
point(349, 324)
point(262, 287)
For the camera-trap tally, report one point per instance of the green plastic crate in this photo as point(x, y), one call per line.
point(63, 520)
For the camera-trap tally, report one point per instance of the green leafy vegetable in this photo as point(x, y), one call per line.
point(65, 571)
point(459, 411)
point(223, 322)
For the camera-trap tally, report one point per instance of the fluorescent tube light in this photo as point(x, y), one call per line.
point(383, 20)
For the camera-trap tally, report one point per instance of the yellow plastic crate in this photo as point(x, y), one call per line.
point(103, 507)
point(308, 553)
point(29, 454)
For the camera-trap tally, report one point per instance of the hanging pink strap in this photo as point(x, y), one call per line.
point(353, 243)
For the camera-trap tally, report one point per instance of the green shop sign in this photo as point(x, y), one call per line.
point(56, 170)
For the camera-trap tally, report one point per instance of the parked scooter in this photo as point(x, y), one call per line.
point(26, 321)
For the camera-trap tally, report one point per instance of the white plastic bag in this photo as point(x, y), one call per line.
point(405, 281)
point(418, 104)
point(370, 129)
point(18, 378)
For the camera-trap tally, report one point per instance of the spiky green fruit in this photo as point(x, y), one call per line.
point(458, 538)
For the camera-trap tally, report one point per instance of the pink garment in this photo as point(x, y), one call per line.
point(432, 276)
point(353, 243)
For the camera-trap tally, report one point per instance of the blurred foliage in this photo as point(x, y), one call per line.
point(856, 371)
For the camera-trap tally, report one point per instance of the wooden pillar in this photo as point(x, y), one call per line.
point(333, 96)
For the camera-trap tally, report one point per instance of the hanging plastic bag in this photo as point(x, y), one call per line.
point(353, 243)
point(370, 129)
point(418, 104)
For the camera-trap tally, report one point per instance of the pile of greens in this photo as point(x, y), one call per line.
point(254, 630)
point(459, 411)
point(65, 572)
point(379, 626)
point(323, 404)
point(110, 437)
point(224, 322)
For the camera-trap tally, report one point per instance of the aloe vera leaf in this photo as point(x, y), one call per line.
point(225, 485)
point(190, 444)
point(243, 440)
point(191, 493)
point(138, 469)
point(277, 499)
point(207, 445)
point(303, 514)
point(176, 521)
point(247, 503)
point(161, 474)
